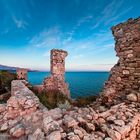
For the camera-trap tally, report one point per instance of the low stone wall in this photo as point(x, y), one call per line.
point(20, 105)
point(23, 100)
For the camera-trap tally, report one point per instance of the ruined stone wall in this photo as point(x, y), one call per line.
point(57, 79)
point(22, 74)
point(125, 75)
point(23, 100)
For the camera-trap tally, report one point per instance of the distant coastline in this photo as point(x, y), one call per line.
point(10, 68)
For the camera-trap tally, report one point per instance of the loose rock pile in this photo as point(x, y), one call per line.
point(23, 117)
point(125, 75)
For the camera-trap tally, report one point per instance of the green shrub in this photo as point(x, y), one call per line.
point(4, 97)
point(65, 105)
point(84, 101)
point(5, 80)
point(51, 99)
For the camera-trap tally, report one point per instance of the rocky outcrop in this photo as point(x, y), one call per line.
point(125, 75)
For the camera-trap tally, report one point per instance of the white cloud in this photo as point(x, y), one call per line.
point(19, 23)
point(79, 23)
point(78, 56)
point(93, 67)
point(84, 19)
point(111, 13)
point(5, 31)
point(95, 42)
point(50, 38)
point(114, 18)
point(46, 54)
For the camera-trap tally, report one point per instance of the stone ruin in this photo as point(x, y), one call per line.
point(125, 75)
point(24, 117)
point(22, 74)
point(57, 79)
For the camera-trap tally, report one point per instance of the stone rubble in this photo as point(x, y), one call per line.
point(30, 120)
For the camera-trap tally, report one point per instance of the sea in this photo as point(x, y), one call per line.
point(81, 84)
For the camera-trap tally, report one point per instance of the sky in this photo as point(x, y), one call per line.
point(29, 29)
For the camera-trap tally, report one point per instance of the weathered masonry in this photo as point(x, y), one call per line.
point(125, 75)
point(57, 79)
point(22, 74)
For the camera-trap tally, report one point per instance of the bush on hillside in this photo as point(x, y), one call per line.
point(52, 99)
point(65, 105)
point(5, 81)
point(84, 101)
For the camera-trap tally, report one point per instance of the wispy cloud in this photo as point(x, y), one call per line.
point(95, 41)
point(114, 18)
point(47, 38)
point(46, 54)
point(5, 31)
point(19, 23)
point(84, 19)
point(111, 13)
point(78, 56)
point(80, 22)
point(92, 67)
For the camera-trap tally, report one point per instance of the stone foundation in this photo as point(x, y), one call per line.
point(57, 79)
point(125, 75)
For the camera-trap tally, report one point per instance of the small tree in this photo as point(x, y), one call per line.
point(5, 80)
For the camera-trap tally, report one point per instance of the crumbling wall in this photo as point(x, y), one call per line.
point(125, 75)
point(22, 74)
point(17, 115)
point(23, 100)
point(57, 79)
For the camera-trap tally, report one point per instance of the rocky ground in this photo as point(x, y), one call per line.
point(24, 117)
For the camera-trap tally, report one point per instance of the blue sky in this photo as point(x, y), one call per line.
point(29, 29)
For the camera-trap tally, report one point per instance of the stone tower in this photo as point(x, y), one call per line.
point(125, 75)
point(57, 79)
point(22, 74)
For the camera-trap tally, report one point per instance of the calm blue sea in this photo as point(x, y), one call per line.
point(81, 83)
